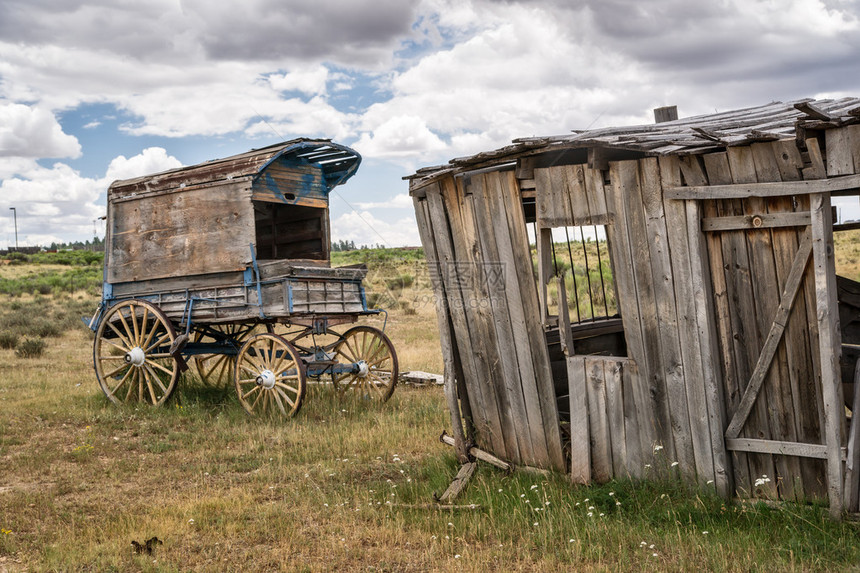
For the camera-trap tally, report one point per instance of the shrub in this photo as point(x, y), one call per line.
point(8, 340)
point(401, 282)
point(44, 327)
point(17, 258)
point(30, 348)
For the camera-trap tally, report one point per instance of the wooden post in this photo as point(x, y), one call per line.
point(667, 113)
point(830, 347)
point(544, 256)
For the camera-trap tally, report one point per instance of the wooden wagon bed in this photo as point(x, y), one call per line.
point(289, 292)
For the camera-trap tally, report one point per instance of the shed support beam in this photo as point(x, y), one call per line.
point(830, 347)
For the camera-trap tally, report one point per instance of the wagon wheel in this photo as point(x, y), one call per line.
point(372, 353)
point(270, 376)
point(131, 354)
point(214, 369)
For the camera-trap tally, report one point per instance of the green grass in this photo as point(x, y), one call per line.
point(336, 488)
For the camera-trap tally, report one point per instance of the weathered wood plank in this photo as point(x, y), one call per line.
point(767, 257)
point(580, 437)
point(829, 346)
point(782, 159)
point(709, 353)
point(612, 376)
point(597, 208)
point(526, 295)
point(761, 306)
point(664, 279)
point(768, 189)
point(601, 448)
point(777, 447)
point(809, 394)
point(512, 374)
point(755, 221)
point(658, 366)
point(445, 334)
point(484, 409)
point(840, 160)
point(727, 256)
point(475, 250)
point(634, 426)
point(817, 169)
point(544, 255)
point(467, 470)
point(578, 201)
point(690, 345)
point(854, 143)
point(628, 302)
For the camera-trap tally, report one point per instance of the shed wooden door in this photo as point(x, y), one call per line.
point(774, 306)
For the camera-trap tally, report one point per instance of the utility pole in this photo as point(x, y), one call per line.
point(15, 217)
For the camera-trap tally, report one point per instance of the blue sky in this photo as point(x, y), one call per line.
point(96, 90)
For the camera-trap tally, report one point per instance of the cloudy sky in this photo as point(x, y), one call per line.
point(98, 90)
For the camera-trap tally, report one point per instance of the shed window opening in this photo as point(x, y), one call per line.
point(580, 255)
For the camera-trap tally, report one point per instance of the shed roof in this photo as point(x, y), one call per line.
point(337, 162)
point(690, 135)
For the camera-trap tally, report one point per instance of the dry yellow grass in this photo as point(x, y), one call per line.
point(329, 490)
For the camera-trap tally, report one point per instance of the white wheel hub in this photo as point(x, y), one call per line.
point(363, 369)
point(136, 356)
point(266, 379)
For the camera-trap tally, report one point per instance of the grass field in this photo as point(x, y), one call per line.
point(334, 489)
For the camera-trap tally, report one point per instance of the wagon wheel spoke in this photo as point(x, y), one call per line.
point(121, 336)
point(253, 389)
point(153, 364)
point(128, 332)
point(276, 398)
point(154, 375)
point(148, 339)
point(149, 387)
point(133, 385)
point(121, 382)
point(117, 369)
point(159, 342)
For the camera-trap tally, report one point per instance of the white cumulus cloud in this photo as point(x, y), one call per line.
point(27, 131)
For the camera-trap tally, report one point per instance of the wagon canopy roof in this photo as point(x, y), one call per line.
point(337, 162)
point(690, 135)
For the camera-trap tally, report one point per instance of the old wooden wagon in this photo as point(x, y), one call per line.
point(226, 265)
point(691, 327)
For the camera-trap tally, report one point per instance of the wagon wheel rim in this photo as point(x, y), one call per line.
point(131, 354)
point(216, 369)
point(374, 362)
point(269, 377)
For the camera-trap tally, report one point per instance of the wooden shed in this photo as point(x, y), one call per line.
point(721, 354)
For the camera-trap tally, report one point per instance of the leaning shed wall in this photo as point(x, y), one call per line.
point(719, 231)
